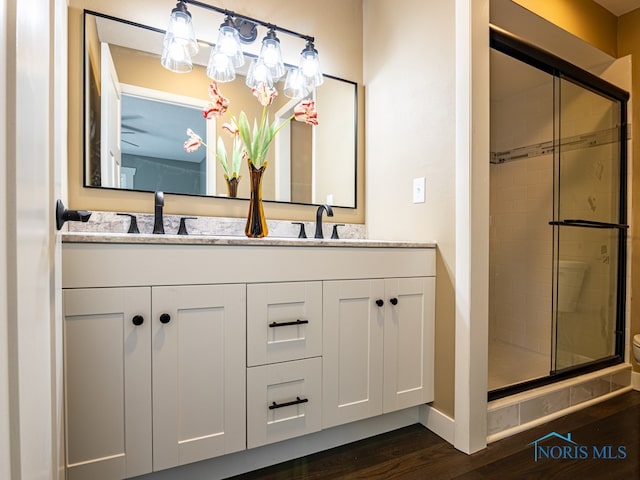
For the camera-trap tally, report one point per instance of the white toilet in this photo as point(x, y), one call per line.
point(636, 347)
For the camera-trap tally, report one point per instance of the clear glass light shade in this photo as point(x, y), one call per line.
point(180, 30)
point(310, 67)
point(176, 57)
point(271, 56)
point(258, 73)
point(220, 67)
point(294, 86)
point(229, 44)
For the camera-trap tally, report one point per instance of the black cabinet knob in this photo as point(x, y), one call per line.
point(394, 301)
point(165, 318)
point(380, 302)
point(137, 320)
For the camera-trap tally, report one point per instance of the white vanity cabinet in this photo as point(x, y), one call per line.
point(152, 366)
point(179, 349)
point(378, 347)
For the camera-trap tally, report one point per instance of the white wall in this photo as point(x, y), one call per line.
point(5, 437)
point(29, 229)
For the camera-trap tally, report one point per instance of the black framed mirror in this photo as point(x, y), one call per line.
point(136, 116)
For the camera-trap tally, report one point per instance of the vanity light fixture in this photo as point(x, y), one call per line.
point(258, 73)
point(229, 42)
point(295, 86)
point(226, 54)
point(310, 66)
point(220, 67)
point(179, 43)
point(271, 55)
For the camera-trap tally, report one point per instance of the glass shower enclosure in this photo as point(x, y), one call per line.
point(558, 218)
point(589, 226)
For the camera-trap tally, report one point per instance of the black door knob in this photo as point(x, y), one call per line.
point(137, 320)
point(380, 302)
point(165, 318)
point(394, 301)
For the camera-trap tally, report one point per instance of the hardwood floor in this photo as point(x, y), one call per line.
point(416, 453)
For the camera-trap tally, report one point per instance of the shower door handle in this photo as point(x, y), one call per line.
point(588, 224)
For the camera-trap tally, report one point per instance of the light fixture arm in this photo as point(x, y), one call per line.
point(231, 13)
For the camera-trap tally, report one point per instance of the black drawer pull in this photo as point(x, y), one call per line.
point(137, 320)
point(394, 301)
point(379, 302)
point(165, 318)
point(286, 324)
point(297, 401)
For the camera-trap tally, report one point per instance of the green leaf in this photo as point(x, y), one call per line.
point(255, 142)
point(245, 132)
point(222, 156)
point(236, 158)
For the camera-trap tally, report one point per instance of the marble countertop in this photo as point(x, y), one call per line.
point(92, 237)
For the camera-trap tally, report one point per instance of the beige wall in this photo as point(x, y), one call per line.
point(337, 27)
point(629, 44)
point(410, 77)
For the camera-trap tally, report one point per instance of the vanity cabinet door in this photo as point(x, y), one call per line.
point(284, 322)
point(408, 342)
point(199, 371)
point(283, 401)
point(107, 377)
point(352, 350)
point(378, 347)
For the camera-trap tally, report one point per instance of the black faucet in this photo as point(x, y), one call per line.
point(158, 222)
point(321, 209)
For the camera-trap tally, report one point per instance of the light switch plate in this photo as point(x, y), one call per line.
point(419, 190)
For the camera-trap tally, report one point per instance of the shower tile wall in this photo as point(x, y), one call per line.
point(521, 201)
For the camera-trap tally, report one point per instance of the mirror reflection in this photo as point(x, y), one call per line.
point(137, 114)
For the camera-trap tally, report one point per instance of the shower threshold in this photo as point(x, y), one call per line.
point(527, 409)
point(553, 377)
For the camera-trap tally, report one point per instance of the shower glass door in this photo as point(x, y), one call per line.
point(588, 227)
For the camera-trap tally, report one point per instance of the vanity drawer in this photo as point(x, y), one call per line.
point(283, 401)
point(284, 322)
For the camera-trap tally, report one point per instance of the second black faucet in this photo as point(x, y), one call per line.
point(158, 220)
point(321, 209)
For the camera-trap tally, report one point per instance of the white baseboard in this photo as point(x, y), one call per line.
point(635, 380)
point(438, 422)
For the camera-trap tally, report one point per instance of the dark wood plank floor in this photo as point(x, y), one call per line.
point(416, 453)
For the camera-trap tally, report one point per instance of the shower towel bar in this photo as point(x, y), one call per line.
point(588, 224)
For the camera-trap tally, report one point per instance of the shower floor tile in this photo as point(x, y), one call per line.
point(510, 365)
